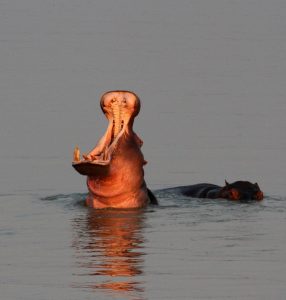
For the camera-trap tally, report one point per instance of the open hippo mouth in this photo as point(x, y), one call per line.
point(120, 108)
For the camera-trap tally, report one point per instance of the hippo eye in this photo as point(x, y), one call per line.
point(234, 194)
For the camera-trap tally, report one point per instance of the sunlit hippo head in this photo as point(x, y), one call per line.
point(114, 168)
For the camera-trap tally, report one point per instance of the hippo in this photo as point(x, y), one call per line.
point(237, 191)
point(114, 168)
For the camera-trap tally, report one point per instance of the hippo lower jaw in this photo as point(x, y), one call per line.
point(102, 156)
point(98, 161)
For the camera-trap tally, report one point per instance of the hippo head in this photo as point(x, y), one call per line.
point(120, 108)
point(242, 191)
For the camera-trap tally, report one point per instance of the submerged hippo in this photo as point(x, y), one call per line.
point(114, 168)
point(238, 190)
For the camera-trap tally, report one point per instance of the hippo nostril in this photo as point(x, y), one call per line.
point(259, 196)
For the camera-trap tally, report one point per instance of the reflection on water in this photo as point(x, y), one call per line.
point(109, 251)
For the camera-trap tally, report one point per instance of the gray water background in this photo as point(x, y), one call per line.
point(211, 78)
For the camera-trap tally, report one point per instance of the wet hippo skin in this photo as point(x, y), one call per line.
point(238, 191)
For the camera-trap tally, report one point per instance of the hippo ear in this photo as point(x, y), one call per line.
point(256, 185)
point(226, 183)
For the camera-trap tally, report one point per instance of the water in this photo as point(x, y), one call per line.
point(211, 77)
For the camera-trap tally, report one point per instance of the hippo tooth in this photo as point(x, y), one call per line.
point(76, 154)
point(117, 118)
